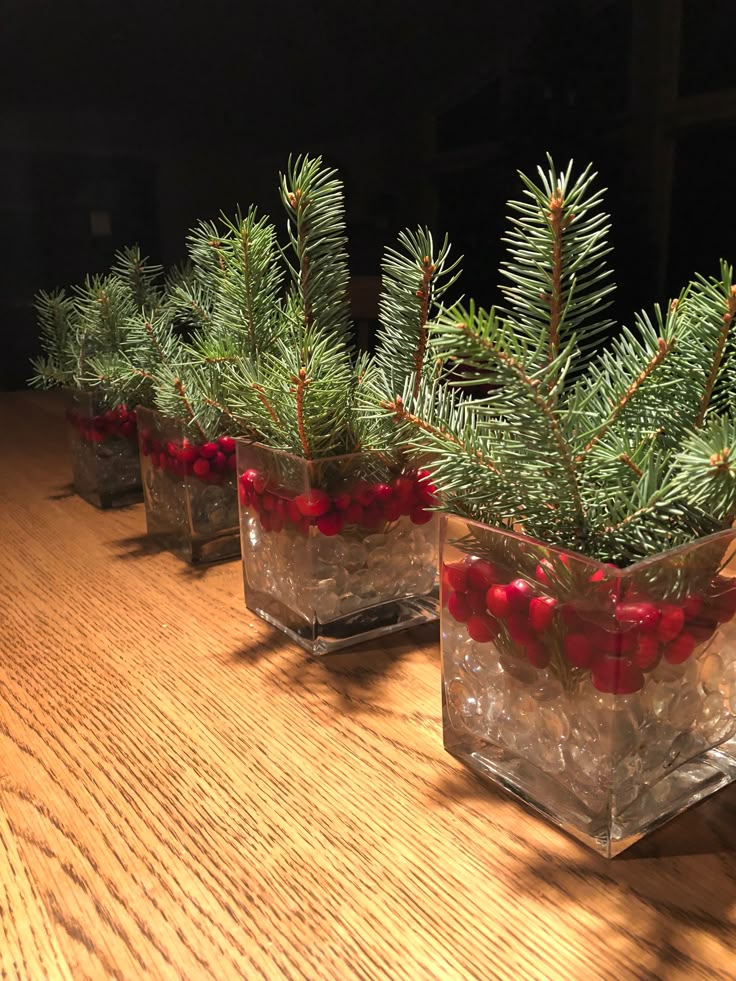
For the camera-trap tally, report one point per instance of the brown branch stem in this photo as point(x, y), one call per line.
point(182, 395)
point(260, 392)
point(423, 294)
point(401, 414)
point(557, 224)
point(627, 461)
point(663, 349)
point(717, 358)
point(301, 384)
point(549, 414)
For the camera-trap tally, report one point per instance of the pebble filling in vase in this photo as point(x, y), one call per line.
point(587, 554)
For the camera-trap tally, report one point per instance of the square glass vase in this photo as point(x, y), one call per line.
point(337, 550)
point(103, 447)
point(603, 698)
point(189, 490)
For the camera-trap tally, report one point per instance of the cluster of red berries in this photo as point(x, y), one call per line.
point(638, 634)
point(212, 462)
point(119, 421)
point(369, 506)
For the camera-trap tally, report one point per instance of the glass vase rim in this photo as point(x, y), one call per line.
point(308, 460)
point(611, 570)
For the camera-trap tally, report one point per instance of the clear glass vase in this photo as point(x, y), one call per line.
point(104, 450)
point(190, 490)
point(603, 698)
point(337, 550)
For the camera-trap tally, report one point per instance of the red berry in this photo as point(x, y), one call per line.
point(459, 607)
point(477, 600)
point(259, 482)
point(680, 649)
point(232, 463)
point(518, 595)
point(542, 612)
point(482, 575)
point(342, 501)
point(692, 606)
point(227, 444)
point(645, 615)
point(384, 493)
point(208, 450)
point(456, 576)
point(201, 467)
point(420, 517)
point(248, 477)
point(540, 573)
point(616, 675)
point(482, 628)
point(392, 510)
point(519, 629)
point(646, 655)
point(313, 504)
point(266, 519)
point(497, 601)
point(364, 494)
point(702, 629)
point(126, 429)
point(188, 454)
point(403, 488)
point(537, 654)
point(330, 524)
point(354, 514)
point(424, 490)
point(724, 604)
point(219, 461)
point(671, 623)
point(578, 650)
point(571, 618)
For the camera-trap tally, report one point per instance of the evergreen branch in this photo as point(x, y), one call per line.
point(178, 385)
point(424, 296)
point(663, 349)
point(547, 411)
point(400, 414)
point(261, 394)
point(727, 320)
point(301, 381)
point(557, 222)
point(627, 461)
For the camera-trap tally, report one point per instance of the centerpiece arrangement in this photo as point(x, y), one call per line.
point(220, 311)
point(337, 531)
point(75, 330)
point(588, 576)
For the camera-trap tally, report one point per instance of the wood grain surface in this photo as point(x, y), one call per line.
point(183, 793)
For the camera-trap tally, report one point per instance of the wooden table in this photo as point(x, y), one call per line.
point(184, 793)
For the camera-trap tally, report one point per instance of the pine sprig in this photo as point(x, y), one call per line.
point(313, 199)
point(619, 453)
point(557, 280)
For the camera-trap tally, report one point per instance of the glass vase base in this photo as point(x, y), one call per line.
point(600, 827)
point(363, 625)
point(196, 550)
point(104, 500)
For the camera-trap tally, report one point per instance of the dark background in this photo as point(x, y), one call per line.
point(127, 122)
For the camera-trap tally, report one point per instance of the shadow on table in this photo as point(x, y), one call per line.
point(139, 546)
point(61, 493)
point(683, 874)
point(352, 678)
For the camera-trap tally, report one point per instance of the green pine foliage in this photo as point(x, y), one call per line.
point(89, 326)
point(620, 452)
